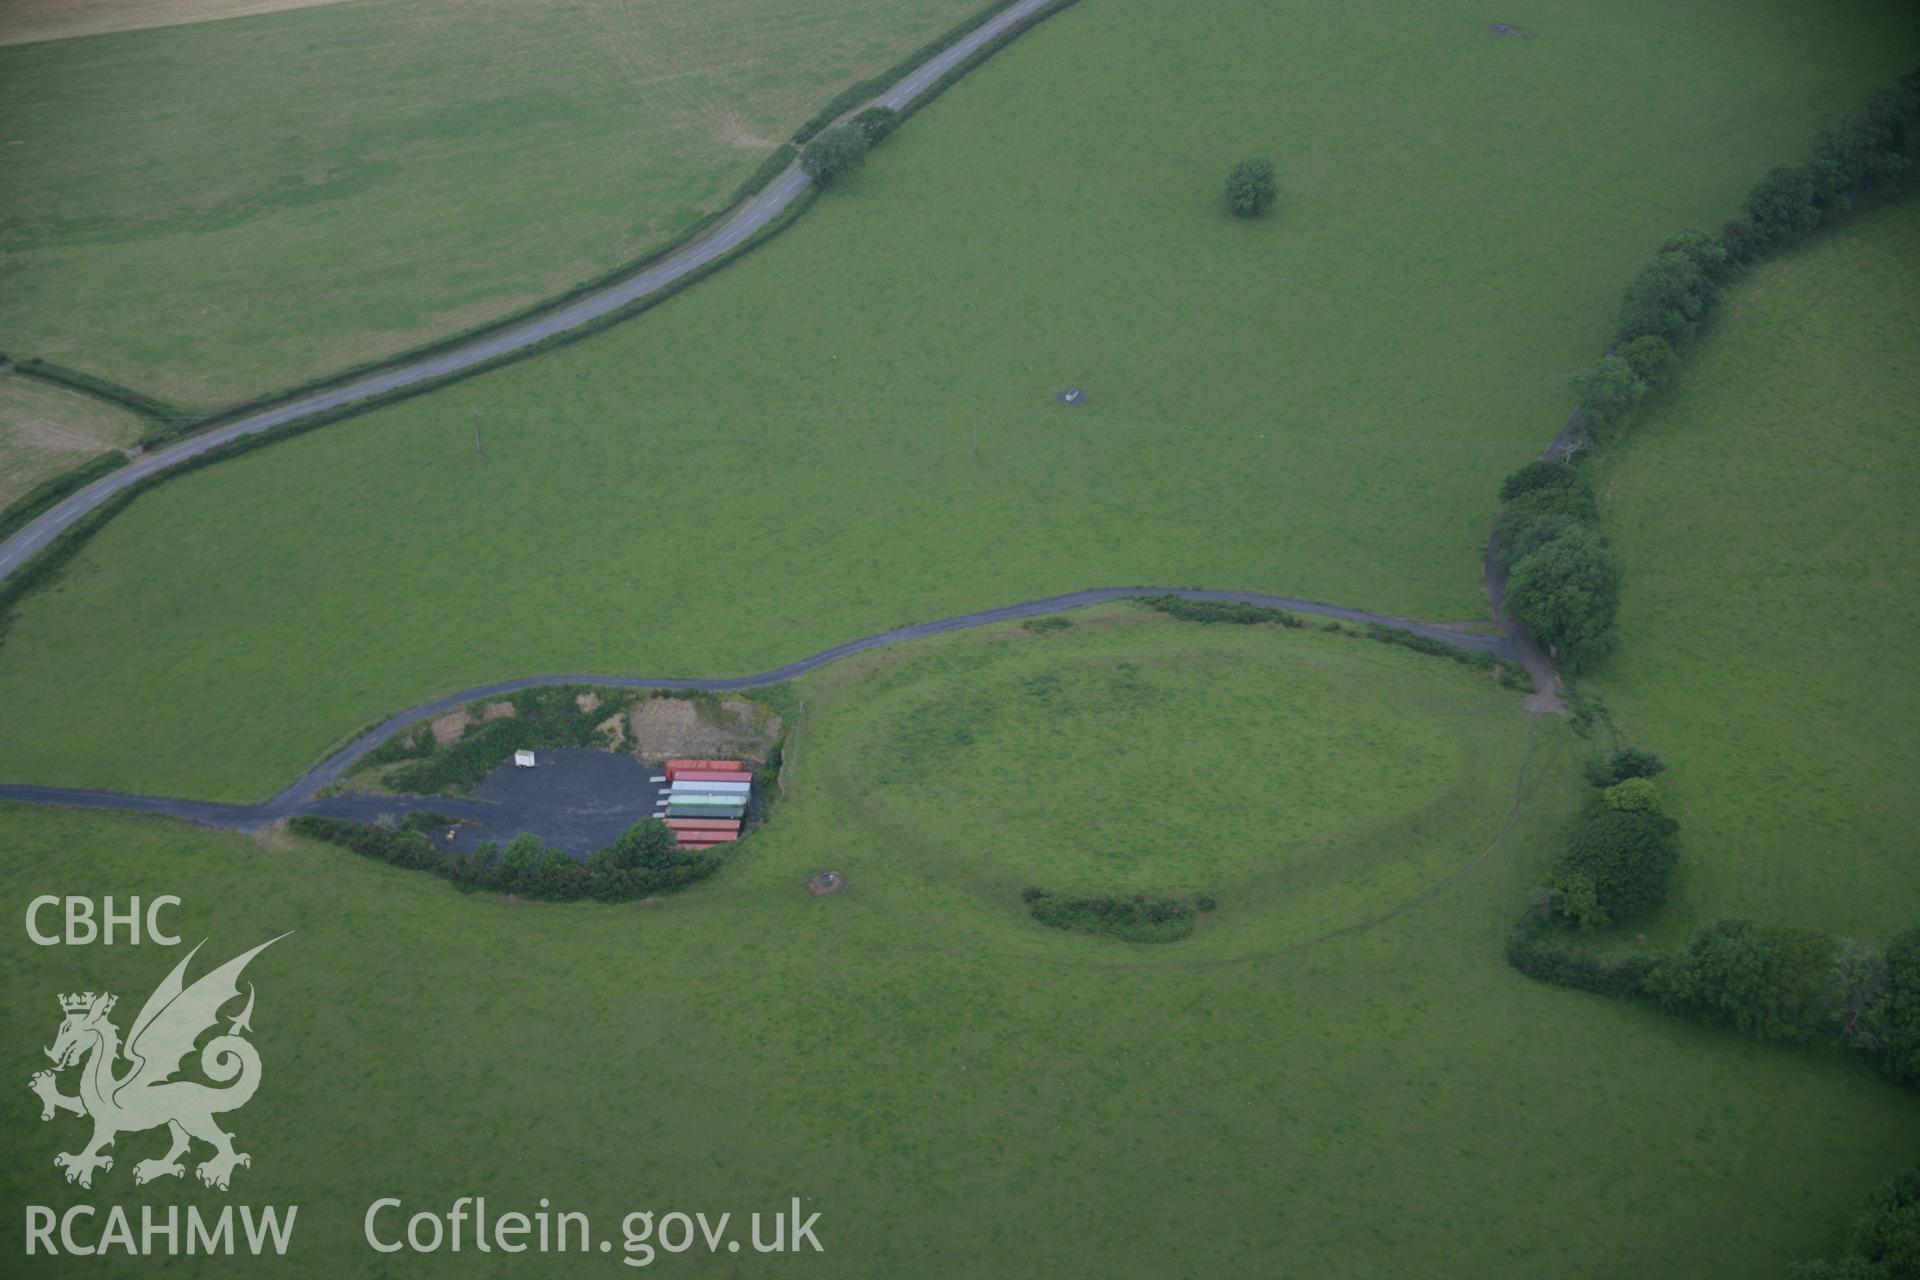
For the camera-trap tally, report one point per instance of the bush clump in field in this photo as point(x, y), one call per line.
point(835, 153)
point(1251, 188)
point(1052, 622)
point(643, 861)
point(1141, 918)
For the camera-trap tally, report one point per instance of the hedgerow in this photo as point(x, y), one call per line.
point(644, 861)
point(48, 493)
point(1564, 580)
point(1140, 918)
point(1229, 611)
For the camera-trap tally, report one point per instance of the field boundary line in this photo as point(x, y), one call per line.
point(620, 296)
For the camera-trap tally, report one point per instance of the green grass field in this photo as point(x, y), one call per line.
point(958, 1090)
point(857, 420)
point(223, 209)
point(1329, 779)
point(1767, 522)
point(46, 429)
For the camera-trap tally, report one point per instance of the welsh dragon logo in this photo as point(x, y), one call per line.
point(146, 1095)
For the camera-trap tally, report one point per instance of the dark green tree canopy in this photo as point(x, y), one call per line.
point(1629, 857)
point(1541, 474)
point(1902, 1012)
point(876, 123)
point(1767, 981)
point(648, 843)
point(1783, 207)
point(1705, 252)
point(1668, 298)
point(1652, 359)
point(1251, 187)
point(1567, 592)
point(835, 153)
point(1607, 391)
point(1628, 762)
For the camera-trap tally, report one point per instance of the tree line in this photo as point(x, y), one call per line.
point(1565, 581)
point(646, 859)
point(1769, 981)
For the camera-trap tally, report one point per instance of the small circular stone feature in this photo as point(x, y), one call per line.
point(1072, 396)
point(824, 884)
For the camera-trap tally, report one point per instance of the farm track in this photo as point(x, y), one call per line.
point(487, 348)
point(303, 795)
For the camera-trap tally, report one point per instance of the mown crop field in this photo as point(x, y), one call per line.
point(857, 421)
point(221, 209)
point(1766, 518)
point(46, 429)
point(956, 1089)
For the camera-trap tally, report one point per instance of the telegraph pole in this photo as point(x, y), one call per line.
point(479, 450)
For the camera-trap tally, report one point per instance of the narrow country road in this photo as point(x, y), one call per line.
point(35, 536)
point(302, 796)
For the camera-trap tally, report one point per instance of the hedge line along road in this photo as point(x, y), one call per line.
point(301, 797)
point(35, 536)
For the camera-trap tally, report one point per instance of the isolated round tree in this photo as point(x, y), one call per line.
point(1251, 187)
point(834, 154)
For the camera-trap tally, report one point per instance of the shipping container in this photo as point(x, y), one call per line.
point(685, 787)
point(701, 839)
point(674, 767)
point(712, 775)
point(704, 811)
point(738, 798)
point(704, 824)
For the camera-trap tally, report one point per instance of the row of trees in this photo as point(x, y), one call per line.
point(842, 150)
point(1565, 582)
point(645, 860)
point(1776, 982)
point(1619, 862)
point(1870, 154)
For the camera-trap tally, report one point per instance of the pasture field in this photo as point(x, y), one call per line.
point(857, 421)
point(45, 430)
point(1329, 778)
point(217, 210)
point(1766, 517)
point(947, 1082)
